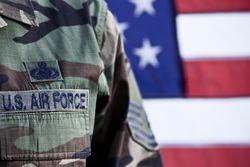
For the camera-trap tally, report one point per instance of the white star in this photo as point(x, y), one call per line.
point(143, 6)
point(147, 54)
point(122, 28)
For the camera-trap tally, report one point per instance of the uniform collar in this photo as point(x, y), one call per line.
point(2, 22)
point(19, 10)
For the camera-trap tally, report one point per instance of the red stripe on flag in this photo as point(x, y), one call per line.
point(194, 6)
point(217, 78)
point(206, 157)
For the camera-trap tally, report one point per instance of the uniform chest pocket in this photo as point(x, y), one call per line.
point(58, 130)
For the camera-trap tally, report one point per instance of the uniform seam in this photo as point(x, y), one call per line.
point(101, 22)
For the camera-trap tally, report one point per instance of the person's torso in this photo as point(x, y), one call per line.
point(50, 76)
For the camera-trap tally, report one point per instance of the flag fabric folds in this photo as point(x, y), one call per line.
point(191, 59)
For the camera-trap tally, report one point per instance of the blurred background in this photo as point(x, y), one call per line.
point(191, 59)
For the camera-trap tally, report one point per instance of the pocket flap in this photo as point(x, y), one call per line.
point(57, 135)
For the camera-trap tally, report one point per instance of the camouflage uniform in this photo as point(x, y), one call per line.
point(68, 96)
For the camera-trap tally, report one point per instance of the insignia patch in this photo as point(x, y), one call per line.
point(140, 127)
point(44, 100)
point(43, 71)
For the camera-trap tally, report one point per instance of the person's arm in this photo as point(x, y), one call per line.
point(122, 133)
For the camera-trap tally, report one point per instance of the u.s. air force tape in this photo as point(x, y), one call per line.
point(44, 100)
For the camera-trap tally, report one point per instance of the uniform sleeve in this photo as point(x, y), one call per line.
point(123, 136)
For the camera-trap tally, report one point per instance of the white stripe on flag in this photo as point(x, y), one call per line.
point(200, 121)
point(214, 35)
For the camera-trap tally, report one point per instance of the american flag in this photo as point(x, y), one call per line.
point(191, 61)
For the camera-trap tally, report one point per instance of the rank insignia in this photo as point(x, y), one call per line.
point(43, 71)
point(140, 127)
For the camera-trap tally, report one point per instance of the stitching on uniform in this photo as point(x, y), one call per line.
point(33, 13)
point(61, 155)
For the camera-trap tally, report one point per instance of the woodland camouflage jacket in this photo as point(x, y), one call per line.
point(67, 95)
